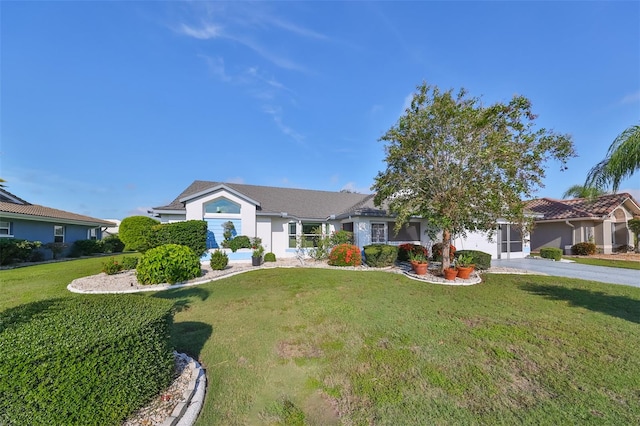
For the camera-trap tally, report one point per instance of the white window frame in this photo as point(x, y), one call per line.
point(5, 226)
point(375, 236)
point(57, 234)
point(293, 236)
point(92, 234)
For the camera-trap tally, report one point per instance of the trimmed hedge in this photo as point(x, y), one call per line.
point(136, 232)
point(584, 249)
point(112, 244)
point(481, 259)
point(86, 248)
point(269, 257)
point(551, 253)
point(83, 360)
point(170, 263)
point(192, 233)
point(16, 250)
point(380, 255)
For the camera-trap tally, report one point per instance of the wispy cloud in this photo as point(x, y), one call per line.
point(276, 115)
point(352, 187)
point(205, 32)
point(216, 67)
point(631, 98)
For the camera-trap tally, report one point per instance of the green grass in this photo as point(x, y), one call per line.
point(613, 263)
point(322, 347)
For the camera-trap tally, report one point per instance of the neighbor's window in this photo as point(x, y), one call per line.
point(377, 233)
point(222, 205)
point(58, 234)
point(292, 235)
point(92, 234)
point(5, 228)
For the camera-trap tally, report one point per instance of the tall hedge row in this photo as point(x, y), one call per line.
point(83, 360)
point(192, 233)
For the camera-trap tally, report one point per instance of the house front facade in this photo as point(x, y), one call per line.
point(602, 220)
point(282, 217)
point(22, 220)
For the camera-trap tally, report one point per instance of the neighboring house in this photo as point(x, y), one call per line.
point(603, 221)
point(112, 230)
point(22, 220)
point(283, 216)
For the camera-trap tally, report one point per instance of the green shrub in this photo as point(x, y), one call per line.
point(86, 248)
point(170, 263)
point(584, 249)
point(56, 248)
point(129, 262)
point(136, 232)
point(269, 257)
point(13, 251)
point(380, 255)
point(551, 253)
point(83, 360)
point(191, 233)
point(436, 251)
point(112, 244)
point(341, 237)
point(239, 242)
point(219, 260)
point(345, 255)
point(111, 266)
point(405, 250)
point(480, 259)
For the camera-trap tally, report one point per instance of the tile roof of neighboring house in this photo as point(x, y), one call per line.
point(40, 212)
point(579, 208)
point(301, 203)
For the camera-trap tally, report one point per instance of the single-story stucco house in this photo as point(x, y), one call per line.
point(282, 216)
point(20, 219)
point(602, 220)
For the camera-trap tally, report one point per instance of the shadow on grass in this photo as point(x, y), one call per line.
point(597, 301)
point(183, 297)
point(190, 336)
point(23, 314)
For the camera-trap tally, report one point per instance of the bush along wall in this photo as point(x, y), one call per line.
point(83, 360)
point(192, 233)
point(551, 253)
point(481, 260)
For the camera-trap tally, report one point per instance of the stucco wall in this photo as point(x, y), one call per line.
point(554, 234)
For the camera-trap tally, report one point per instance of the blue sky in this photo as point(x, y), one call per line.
point(110, 108)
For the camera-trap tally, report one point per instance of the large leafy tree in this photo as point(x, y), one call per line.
point(621, 162)
point(462, 165)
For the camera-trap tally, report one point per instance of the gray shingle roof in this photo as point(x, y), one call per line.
point(37, 211)
point(301, 203)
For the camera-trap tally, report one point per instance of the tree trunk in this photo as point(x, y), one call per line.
point(446, 243)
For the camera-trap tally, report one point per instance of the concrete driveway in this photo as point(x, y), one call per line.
point(603, 274)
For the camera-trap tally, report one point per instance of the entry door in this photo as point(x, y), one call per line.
point(509, 240)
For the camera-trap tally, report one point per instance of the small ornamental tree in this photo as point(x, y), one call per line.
point(461, 165)
point(634, 226)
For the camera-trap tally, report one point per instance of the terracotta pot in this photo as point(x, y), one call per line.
point(450, 274)
point(464, 272)
point(419, 268)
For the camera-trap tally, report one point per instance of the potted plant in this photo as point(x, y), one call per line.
point(418, 260)
point(465, 266)
point(450, 273)
point(258, 251)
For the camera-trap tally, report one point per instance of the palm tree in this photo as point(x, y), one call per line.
point(622, 161)
point(581, 191)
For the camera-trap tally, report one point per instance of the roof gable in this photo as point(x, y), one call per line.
point(582, 208)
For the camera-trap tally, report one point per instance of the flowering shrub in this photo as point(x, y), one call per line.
point(345, 255)
point(405, 251)
point(437, 252)
point(111, 266)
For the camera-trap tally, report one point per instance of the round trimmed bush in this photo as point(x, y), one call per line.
point(169, 263)
point(269, 257)
point(380, 255)
point(219, 260)
point(345, 255)
point(584, 249)
point(136, 232)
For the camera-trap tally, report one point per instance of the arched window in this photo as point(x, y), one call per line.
point(222, 205)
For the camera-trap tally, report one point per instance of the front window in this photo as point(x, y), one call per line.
point(292, 235)
point(310, 233)
point(5, 228)
point(377, 233)
point(58, 234)
point(222, 205)
point(92, 234)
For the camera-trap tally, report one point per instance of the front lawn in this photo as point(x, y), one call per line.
point(613, 263)
point(322, 347)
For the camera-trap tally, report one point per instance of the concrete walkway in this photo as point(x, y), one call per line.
point(567, 269)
